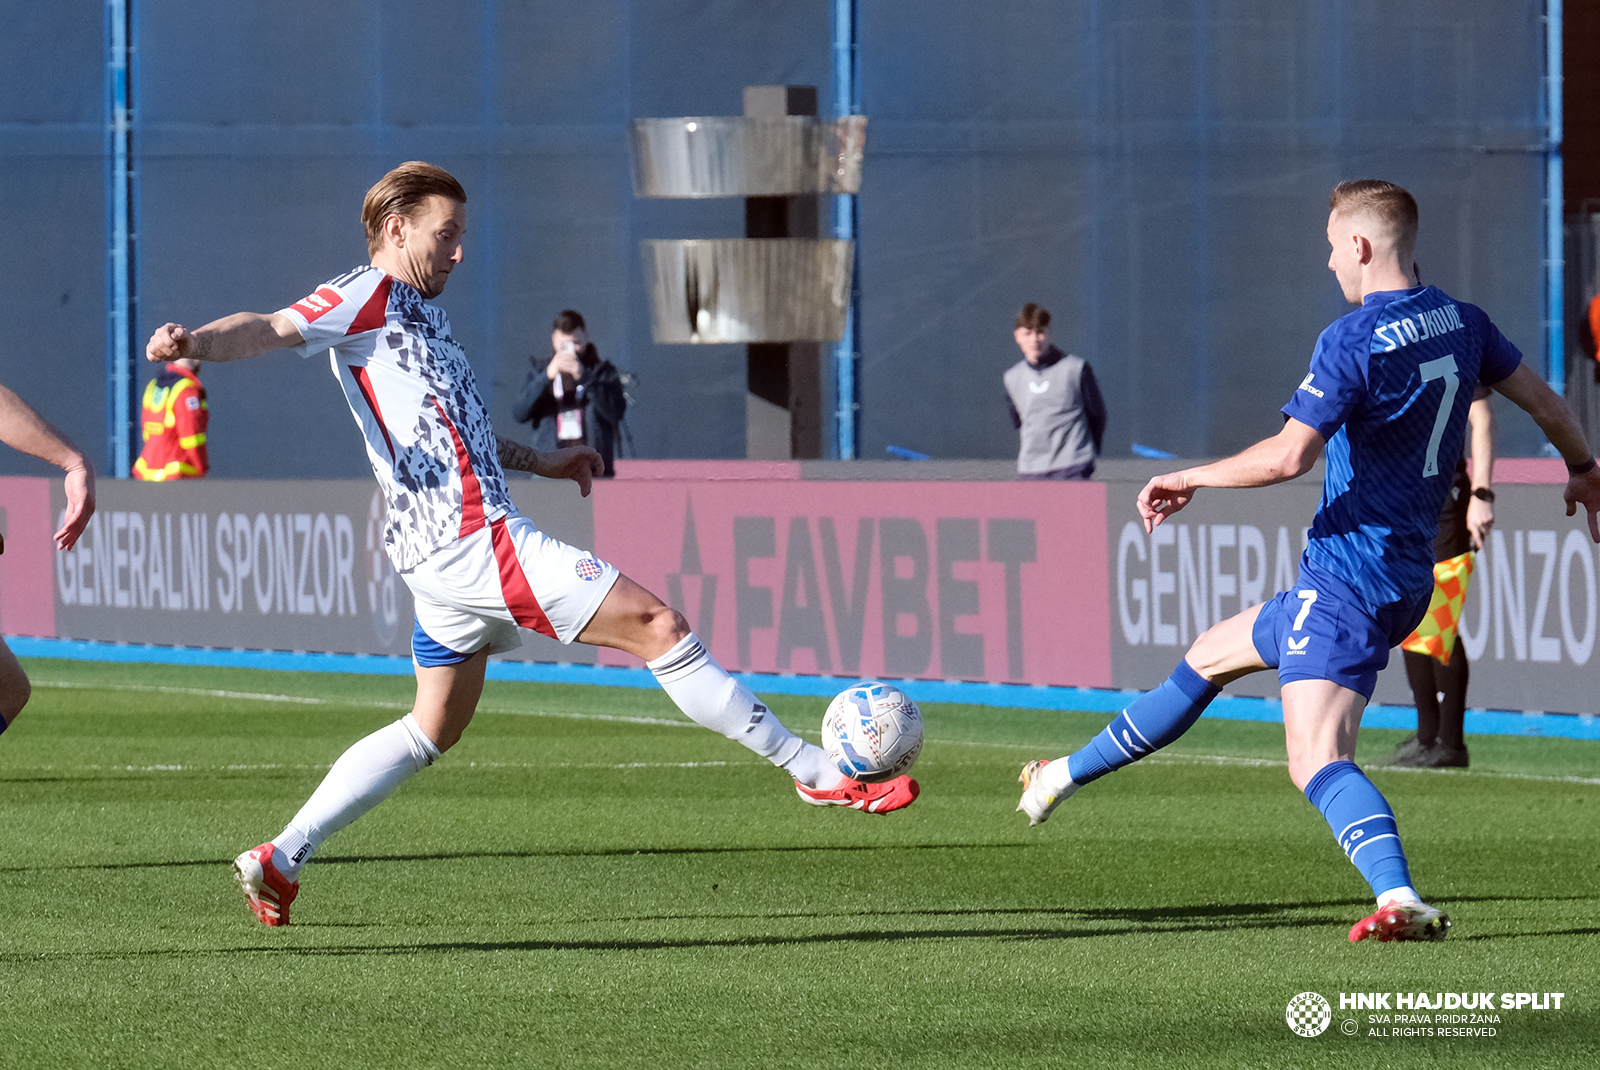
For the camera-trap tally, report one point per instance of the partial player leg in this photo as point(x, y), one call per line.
point(1440, 692)
point(633, 620)
point(1321, 720)
point(14, 687)
point(1422, 674)
point(1223, 654)
point(364, 775)
point(1451, 748)
point(1424, 681)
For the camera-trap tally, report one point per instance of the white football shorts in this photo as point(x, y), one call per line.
point(479, 590)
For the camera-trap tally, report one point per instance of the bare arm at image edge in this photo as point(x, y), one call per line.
point(23, 429)
point(1533, 396)
point(581, 464)
point(237, 337)
point(1285, 456)
point(1480, 511)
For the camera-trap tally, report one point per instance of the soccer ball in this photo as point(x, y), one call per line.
point(872, 731)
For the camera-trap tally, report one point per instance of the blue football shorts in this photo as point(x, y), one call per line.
point(1320, 629)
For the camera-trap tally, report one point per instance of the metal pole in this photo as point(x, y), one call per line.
point(847, 351)
point(1555, 267)
point(120, 278)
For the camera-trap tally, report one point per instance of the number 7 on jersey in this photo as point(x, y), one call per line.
point(1443, 368)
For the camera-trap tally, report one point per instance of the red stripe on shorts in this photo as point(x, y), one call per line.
point(471, 494)
point(525, 608)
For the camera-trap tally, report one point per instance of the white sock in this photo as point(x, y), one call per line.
point(362, 778)
point(706, 693)
point(810, 766)
point(1403, 894)
point(1057, 778)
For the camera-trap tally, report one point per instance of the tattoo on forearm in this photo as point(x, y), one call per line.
point(516, 456)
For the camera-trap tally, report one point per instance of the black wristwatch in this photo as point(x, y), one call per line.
point(1483, 492)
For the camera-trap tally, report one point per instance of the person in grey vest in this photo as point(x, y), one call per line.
point(1055, 403)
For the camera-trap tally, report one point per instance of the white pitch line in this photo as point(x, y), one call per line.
point(1221, 759)
point(209, 693)
point(604, 765)
point(619, 718)
point(1176, 759)
point(176, 768)
point(358, 703)
point(1168, 759)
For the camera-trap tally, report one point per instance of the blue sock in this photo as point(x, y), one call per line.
point(1363, 823)
point(3, 724)
point(1153, 720)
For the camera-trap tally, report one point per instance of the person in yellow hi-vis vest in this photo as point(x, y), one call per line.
point(174, 422)
point(1436, 666)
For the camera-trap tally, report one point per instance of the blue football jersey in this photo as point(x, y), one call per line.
point(1389, 388)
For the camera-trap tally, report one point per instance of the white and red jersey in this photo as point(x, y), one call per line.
point(414, 396)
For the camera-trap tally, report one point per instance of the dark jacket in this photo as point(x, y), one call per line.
point(594, 401)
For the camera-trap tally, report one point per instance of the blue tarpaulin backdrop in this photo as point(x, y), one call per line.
point(1153, 171)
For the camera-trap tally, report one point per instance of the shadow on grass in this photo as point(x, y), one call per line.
point(1091, 922)
point(1146, 915)
point(608, 852)
point(876, 936)
point(865, 936)
point(190, 776)
point(1254, 915)
point(1516, 936)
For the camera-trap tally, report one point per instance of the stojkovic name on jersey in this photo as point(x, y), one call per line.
point(1429, 323)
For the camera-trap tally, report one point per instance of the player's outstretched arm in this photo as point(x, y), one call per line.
point(1534, 397)
point(236, 337)
point(577, 463)
point(1480, 511)
point(23, 429)
point(1284, 456)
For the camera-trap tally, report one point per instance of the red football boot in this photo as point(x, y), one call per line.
point(868, 798)
point(268, 892)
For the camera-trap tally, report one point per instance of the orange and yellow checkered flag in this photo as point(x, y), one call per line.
point(1436, 635)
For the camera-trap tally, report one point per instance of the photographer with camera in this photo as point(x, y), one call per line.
point(579, 390)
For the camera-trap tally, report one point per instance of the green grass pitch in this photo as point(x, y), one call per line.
point(588, 880)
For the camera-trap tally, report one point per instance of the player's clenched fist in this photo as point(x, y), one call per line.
point(172, 341)
point(1161, 497)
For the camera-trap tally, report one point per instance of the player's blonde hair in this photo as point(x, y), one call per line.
point(1388, 203)
point(401, 192)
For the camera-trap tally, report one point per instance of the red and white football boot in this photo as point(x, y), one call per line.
point(267, 891)
point(1399, 920)
point(868, 798)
